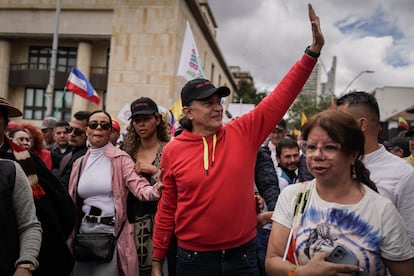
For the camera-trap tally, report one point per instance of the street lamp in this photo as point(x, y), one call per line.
point(356, 77)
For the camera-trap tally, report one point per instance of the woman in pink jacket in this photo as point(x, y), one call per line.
point(99, 186)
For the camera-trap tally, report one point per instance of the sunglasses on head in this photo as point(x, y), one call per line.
point(76, 131)
point(104, 125)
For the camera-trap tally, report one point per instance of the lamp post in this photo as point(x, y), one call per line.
point(356, 77)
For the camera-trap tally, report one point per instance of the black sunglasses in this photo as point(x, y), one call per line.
point(104, 125)
point(76, 131)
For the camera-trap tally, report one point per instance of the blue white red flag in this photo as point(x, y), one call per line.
point(80, 85)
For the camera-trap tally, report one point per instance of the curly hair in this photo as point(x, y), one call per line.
point(132, 140)
point(37, 137)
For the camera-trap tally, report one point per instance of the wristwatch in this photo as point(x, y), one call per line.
point(310, 53)
point(28, 266)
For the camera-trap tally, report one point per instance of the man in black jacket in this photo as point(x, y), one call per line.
point(267, 184)
point(54, 208)
point(77, 143)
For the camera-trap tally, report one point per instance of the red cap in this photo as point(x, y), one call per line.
point(12, 125)
point(116, 126)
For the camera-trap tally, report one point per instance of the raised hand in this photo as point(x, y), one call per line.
point(317, 36)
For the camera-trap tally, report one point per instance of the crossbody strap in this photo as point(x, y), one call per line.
point(301, 203)
point(120, 230)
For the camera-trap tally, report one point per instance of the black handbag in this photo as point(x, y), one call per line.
point(94, 247)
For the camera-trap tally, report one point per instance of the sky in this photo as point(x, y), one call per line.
point(266, 37)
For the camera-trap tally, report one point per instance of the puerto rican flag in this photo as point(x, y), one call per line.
point(80, 85)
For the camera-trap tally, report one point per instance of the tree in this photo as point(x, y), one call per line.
point(308, 104)
point(247, 93)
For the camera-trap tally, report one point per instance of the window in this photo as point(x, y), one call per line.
point(35, 104)
point(39, 58)
point(62, 105)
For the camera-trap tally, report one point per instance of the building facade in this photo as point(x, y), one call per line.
point(127, 49)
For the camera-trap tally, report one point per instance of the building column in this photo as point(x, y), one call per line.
point(4, 68)
point(83, 62)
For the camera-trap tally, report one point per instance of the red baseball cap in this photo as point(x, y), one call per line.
point(116, 126)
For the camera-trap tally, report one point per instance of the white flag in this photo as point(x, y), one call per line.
point(190, 64)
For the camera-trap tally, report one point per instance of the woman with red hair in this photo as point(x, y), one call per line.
point(37, 144)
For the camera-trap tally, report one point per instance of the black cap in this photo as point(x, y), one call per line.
point(410, 133)
point(143, 106)
point(281, 125)
point(198, 89)
point(398, 143)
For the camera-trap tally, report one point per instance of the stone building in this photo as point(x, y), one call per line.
point(127, 49)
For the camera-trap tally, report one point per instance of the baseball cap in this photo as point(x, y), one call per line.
point(12, 125)
point(48, 122)
point(397, 143)
point(410, 133)
point(11, 111)
point(142, 106)
point(198, 89)
point(116, 126)
point(281, 125)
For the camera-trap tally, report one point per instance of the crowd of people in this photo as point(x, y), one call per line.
point(206, 201)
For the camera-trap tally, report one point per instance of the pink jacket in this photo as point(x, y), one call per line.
point(124, 178)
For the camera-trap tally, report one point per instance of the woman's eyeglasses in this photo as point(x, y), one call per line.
point(104, 125)
point(327, 149)
point(76, 131)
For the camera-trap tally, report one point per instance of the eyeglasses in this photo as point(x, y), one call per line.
point(104, 125)
point(327, 149)
point(76, 131)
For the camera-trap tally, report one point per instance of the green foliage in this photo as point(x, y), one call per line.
point(247, 94)
point(308, 104)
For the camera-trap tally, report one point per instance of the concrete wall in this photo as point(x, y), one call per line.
point(144, 38)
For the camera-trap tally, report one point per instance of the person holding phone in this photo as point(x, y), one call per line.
point(340, 207)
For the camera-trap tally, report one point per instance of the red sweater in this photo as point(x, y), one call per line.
point(216, 211)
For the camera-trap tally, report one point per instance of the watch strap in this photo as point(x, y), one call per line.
point(28, 266)
point(311, 54)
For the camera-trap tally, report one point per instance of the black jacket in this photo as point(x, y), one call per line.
point(265, 178)
point(303, 172)
point(56, 212)
point(9, 239)
point(64, 175)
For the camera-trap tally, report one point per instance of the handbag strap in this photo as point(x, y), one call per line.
point(120, 229)
point(79, 172)
point(301, 202)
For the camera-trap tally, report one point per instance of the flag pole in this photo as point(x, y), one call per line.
point(51, 85)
